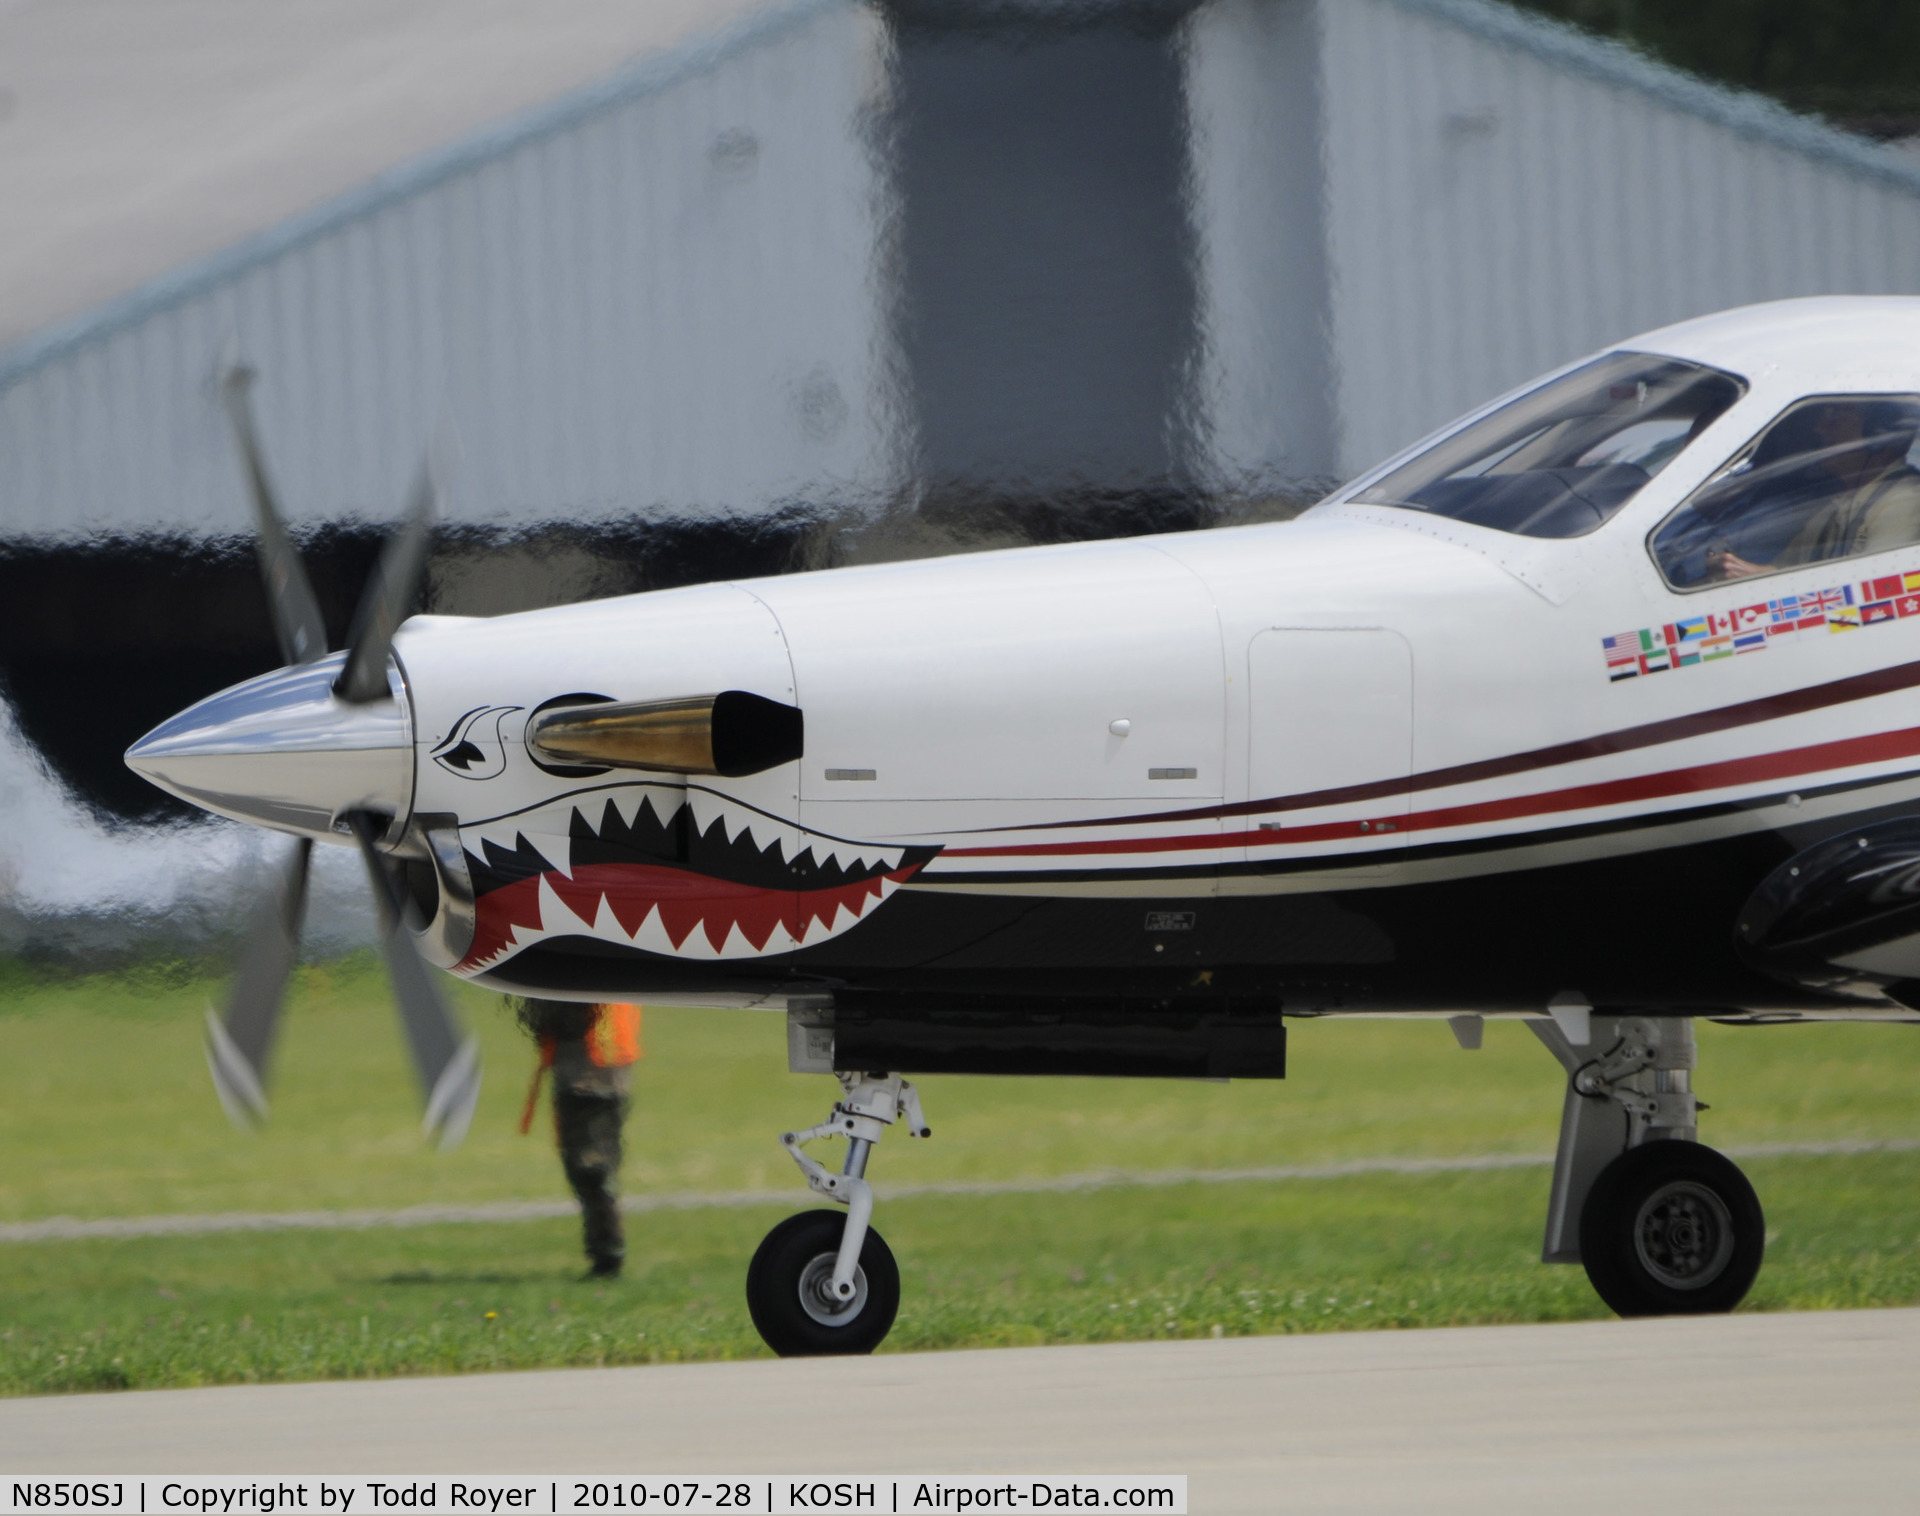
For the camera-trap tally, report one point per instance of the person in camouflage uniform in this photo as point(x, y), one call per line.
point(591, 1050)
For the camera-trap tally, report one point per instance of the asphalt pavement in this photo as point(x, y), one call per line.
point(1754, 1413)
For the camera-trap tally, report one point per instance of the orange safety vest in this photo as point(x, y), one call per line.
point(613, 1042)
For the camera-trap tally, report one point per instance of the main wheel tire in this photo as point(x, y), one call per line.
point(787, 1279)
point(1672, 1229)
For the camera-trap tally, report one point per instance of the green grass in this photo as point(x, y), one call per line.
point(105, 1110)
point(1376, 1251)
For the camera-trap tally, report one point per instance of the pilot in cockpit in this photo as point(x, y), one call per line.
point(1830, 479)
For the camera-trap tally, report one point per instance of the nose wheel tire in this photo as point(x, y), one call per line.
point(1672, 1229)
point(790, 1289)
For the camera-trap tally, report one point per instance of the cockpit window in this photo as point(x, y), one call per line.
point(1560, 460)
point(1832, 477)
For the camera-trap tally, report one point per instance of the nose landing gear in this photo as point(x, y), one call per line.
point(817, 1284)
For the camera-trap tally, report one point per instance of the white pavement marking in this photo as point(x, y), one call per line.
point(1750, 1413)
point(70, 1228)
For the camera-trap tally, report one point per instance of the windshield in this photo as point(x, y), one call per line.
point(1560, 460)
point(1832, 477)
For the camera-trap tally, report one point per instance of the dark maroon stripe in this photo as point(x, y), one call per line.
point(1902, 676)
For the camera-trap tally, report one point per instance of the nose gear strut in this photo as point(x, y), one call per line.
point(819, 1284)
point(869, 1105)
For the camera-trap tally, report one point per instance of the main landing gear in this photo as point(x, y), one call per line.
point(819, 1284)
point(1663, 1225)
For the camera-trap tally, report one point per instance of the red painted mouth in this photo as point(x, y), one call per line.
point(685, 901)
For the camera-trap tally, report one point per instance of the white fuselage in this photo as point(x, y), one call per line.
point(1367, 698)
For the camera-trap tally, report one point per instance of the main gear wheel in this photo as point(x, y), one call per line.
point(1672, 1229)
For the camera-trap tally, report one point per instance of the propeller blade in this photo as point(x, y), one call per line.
point(446, 1058)
point(240, 1046)
point(387, 599)
point(296, 613)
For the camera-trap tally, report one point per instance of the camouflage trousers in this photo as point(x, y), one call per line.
point(589, 1124)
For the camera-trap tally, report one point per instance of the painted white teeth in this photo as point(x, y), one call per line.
point(554, 909)
point(558, 918)
point(548, 832)
point(626, 806)
point(606, 925)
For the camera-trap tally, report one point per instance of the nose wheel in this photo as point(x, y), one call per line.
point(1671, 1229)
point(824, 1283)
point(791, 1294)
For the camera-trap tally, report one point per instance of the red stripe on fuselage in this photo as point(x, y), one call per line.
point(1902, 676)
point(1790, 763)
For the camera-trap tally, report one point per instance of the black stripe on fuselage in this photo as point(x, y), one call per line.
point(1650, 930)
point(1462, 848)
point(1901, 676)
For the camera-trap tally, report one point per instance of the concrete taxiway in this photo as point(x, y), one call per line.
point(1751, 1413)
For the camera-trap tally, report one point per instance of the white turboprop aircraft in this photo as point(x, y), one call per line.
point(1597, 708)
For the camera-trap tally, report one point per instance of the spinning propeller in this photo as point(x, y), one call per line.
point(240, 1045)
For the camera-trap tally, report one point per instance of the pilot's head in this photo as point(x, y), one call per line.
point(1856, 438)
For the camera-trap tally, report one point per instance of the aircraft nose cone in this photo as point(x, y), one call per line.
point(283, 751)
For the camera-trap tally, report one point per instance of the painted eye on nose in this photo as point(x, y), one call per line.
point(474, 749)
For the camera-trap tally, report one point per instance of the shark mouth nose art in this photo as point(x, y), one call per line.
point(670, 870)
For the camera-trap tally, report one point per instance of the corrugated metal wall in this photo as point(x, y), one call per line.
point(1266, 396)
point(1503, 196)
point(660, 298)
point(673, 297)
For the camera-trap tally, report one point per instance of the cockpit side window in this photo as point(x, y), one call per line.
point(1831, 477)
point(1562, 459)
